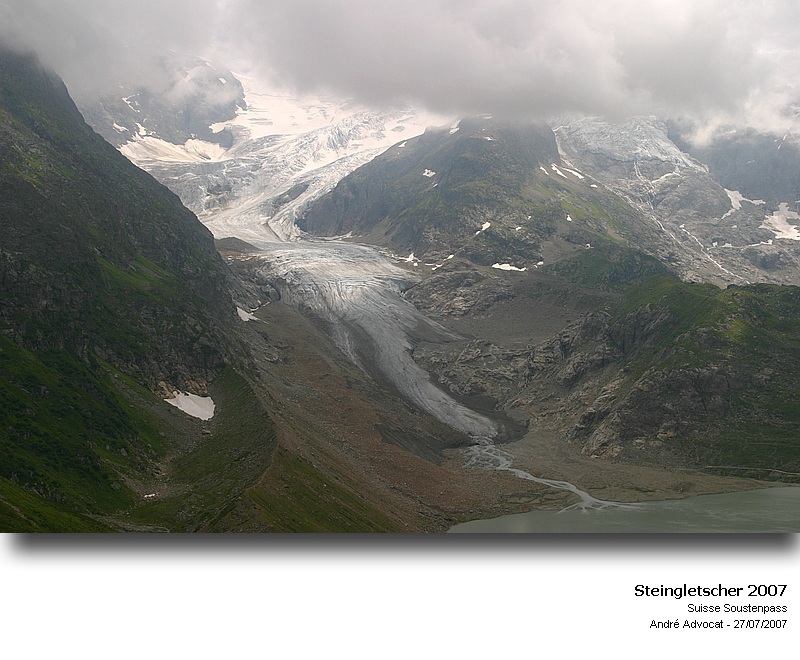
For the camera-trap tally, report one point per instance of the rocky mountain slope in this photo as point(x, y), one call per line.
point(491, 192)
point(594, 224)
point(76, 259)
point(709, 229)
point(104, 274)
point(135, 396)
point(661, 373)
point(194, 95)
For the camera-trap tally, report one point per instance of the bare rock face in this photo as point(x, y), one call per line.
point(479, 369)
point(659, 407)
point(459, 293)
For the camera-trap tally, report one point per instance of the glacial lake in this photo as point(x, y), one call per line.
point(767, 510)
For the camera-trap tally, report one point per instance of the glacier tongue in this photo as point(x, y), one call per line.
point(359, 293)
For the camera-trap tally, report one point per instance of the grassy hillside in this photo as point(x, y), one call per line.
point(110, 292)
point(735, 353)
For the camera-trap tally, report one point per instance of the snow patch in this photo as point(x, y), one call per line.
point(736, 201)
point(509, 267)
point(120, 129)
point(569, 219)
point(438, 266)
point(127, 100)
point(429, 173)
point(779, 223)
point(201, 407)
point(574, 173)
point(483, 228)
point(454, 128)
point(245, 316)
point(541, 167)
point(557, 171)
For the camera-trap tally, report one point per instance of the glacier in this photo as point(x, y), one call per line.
point(286, 152)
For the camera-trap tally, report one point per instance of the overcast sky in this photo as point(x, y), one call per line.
point(709, 59)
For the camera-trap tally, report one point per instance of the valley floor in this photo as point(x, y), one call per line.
point(547, 454)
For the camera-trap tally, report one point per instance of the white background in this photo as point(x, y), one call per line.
point(380, 597)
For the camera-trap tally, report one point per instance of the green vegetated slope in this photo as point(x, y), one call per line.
point(110, 291)
point(94, 252)
point(490, 192)
point(679, 375)
point(643, 368)
point(718, 378)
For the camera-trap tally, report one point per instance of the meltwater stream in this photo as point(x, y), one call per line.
point(488, 456)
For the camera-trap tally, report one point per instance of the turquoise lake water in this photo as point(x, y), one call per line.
point(767, 510)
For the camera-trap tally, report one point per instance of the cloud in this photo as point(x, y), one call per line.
point(717, 61)
point(95, 45)
point(519, 57)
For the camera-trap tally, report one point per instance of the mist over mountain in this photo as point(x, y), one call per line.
point(519, 59)
point(197, 96)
